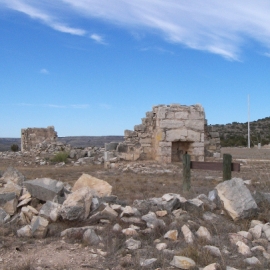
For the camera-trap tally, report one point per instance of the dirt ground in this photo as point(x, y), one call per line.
point(56, 253)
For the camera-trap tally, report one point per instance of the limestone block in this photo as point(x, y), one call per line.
point(236, 198)
point(108, 156)
point(130, 133)
point(164, 151)
point(182, 262)
point(195, 125)
point(44, 189)
point(161, 112)
point(169, 123)
point(140, 128)
point(50, 211)
point(9, 202)
point(188, 235)
point(101, 187)
point(90, 237)
point(160, 136)
point(145, 140)
point(193, 136)
point(170, 115)
point(25, 231)
point(133, 244)
point(197, 145)
point(174, 135)
point(111, 146)
point(39, 226)
point(165, 144)
point(198, 151)
point(13, 175)
point(196, 115)
point(202, 137)
point(181, 115)
point(77, 205)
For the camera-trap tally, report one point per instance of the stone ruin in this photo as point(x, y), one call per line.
point(166, 133)
point(30, 137)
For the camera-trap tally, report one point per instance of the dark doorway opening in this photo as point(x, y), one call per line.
point(179, 149)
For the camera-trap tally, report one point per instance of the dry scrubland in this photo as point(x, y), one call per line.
point(54, 253)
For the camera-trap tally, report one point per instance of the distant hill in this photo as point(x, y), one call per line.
point(236, 134)
point(75, 141)
point(232, 134)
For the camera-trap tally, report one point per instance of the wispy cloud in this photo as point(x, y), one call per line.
point(218, 27)
point(56, 106)
point(97, 38)
point(44, 71)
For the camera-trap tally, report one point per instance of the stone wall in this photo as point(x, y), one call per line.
point(30, 137)
point(211, 141)
point(165, 134)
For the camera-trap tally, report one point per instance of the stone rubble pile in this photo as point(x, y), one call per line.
point(43, 152)
point(167, 227)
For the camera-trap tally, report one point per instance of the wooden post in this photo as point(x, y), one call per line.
point(186, 172)
point(227, 167)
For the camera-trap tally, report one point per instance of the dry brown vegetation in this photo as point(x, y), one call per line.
point(24, 254)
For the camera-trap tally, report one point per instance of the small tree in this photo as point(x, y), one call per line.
point(14, 147)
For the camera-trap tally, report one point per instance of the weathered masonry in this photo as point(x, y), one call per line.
point(30, 137)
point(168, 132)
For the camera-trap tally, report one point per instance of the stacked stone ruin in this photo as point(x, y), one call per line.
point(167, 132)
point(30, 137)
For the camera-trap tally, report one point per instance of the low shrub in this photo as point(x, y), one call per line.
point(60, 157)
point(14, 147)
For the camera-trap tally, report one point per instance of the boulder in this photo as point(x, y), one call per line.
point(25, 231)
point(237, 199)
point(45, 189)
point(39, 226)
point(50, 211)
point(152, 221)
point(101, 187)
point(77, 205)
point(9, 202)
point(13, 175)
point(90, 237)
point(11, 187)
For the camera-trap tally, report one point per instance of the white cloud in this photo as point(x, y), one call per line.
point(219, 27)
point(44, 71)
point(97, 38)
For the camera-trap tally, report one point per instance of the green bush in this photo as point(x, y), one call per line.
point(60, 157)
point(14, 147)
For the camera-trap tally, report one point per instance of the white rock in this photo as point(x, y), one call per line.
point(252, 261)
point(188, 235)
point(203, 233)
point(245, 234)
point(133, 244)
point(212, 266)
point(161, 246)
point(182, 262)
point(213, 250)
point(243, 248)
point(172, 235)
point(256, 231)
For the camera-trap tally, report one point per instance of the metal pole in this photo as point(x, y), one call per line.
point(248, 125)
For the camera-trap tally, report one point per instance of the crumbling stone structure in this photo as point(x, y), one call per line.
point(30, 137)
point(211, 141)
point(168, 132)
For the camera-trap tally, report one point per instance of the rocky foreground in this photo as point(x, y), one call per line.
point(225, 230)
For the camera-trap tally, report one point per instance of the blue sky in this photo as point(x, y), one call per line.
point(94, 67)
